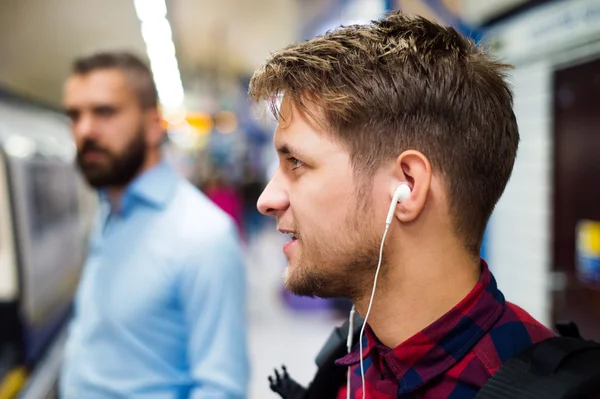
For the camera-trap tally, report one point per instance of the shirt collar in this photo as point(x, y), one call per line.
point(432, 351)
point(154, 187)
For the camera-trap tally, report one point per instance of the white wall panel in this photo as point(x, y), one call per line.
point(520, 232)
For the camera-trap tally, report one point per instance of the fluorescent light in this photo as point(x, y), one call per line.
point(171, 98)
point(160, 49)
point(158, 36)
point(156, 31)
point(150, 9)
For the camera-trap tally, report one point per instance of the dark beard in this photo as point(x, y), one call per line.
point(348, 279)
point(341, 269)
point(120, 169)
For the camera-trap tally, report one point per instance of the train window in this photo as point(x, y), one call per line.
point(51, 199)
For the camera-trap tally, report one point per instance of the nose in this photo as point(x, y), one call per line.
point(83, 128)
point(274, 199)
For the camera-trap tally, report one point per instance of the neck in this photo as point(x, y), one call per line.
point(116, 192)
point(418, 288)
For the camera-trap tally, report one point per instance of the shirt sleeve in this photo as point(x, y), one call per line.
point(213, 298)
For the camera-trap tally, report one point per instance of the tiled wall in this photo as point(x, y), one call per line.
point(520, 229)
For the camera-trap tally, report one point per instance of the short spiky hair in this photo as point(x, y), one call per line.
point(408, 83)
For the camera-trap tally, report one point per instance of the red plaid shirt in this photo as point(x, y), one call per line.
point(451, 358)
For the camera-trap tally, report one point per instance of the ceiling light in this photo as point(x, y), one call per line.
point(150, 9)
point(158, 36)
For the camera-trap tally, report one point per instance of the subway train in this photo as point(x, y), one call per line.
point(45, 209)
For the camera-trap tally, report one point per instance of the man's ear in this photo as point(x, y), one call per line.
point(414, 169)
point(155, 131)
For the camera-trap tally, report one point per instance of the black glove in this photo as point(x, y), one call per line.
point(285, 386)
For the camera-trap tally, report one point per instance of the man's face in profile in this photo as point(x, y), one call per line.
point(317, 199)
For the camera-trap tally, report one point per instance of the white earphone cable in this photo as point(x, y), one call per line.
point(349, 347)
point(401, 193)
point(362, 330)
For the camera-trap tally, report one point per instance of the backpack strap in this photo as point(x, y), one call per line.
point(568, 329)
point(336, 342)
point(328, 378)
point(558, 367)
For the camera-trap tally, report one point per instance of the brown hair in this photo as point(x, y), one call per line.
point(408, 83)
point(137, 72)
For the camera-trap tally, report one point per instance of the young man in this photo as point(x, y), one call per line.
point(159, 311)
point(365, 109)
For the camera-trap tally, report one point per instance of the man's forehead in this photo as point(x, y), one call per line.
point(305, 144)
point(98, 86)
point(308, 112)
point(110, 77)
point(301, 133)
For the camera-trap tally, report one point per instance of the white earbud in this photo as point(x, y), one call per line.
point(402, 192)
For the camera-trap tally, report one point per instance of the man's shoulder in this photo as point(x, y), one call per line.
point(194, 230)
point(197, 212)
point(514, 331)
point(515, 313)
point(186, 191)
point(515, 320)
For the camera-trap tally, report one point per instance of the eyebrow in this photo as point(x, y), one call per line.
point(286, 149)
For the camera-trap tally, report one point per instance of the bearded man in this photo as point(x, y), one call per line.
point(159, 311)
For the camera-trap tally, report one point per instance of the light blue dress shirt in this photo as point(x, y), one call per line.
point(160, 307)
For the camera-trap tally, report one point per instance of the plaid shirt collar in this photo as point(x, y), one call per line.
point(431, 352)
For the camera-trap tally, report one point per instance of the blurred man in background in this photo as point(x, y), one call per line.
point(365, 110)
point(159, 311)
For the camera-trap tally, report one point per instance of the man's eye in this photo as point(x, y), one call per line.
point(105, 111)
point(73, 115)
point(295, 163)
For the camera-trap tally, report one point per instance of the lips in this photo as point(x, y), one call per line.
point(294, 236)
point(92, 155)
point(290, 233)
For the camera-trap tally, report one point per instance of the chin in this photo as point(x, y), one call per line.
point(303, 284)
point(290, 280)
point(292, 283)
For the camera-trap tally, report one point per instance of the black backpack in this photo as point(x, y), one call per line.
point(563, 367)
